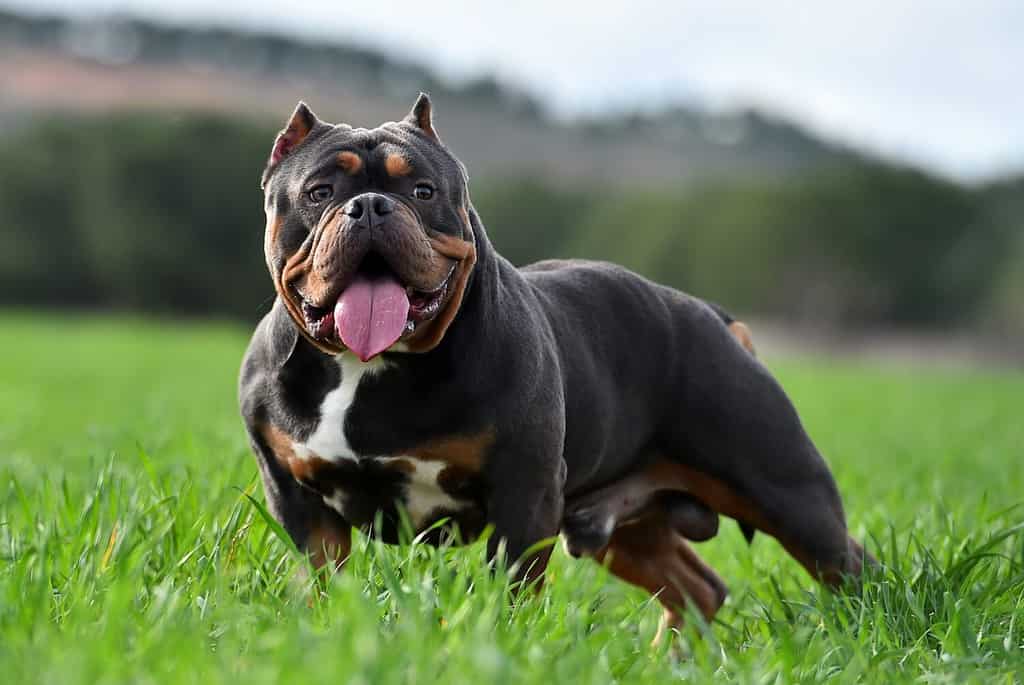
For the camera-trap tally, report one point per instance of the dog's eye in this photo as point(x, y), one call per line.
point(422, 191)
point(321, 194)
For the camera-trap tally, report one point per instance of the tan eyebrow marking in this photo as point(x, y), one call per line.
point(350, 162)
point(397, 165)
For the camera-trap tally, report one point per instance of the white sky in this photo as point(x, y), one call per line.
point(940, 83)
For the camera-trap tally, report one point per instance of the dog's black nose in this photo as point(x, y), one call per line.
point(382, 204)
point(368, 207)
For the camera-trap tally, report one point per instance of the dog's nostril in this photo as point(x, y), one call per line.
point(382, 205)
point(354, 208)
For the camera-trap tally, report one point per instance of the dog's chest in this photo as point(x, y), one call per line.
point(427, 483)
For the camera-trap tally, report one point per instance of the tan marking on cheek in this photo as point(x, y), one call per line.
point(293, 268)
point(464, 251)
point(317, 279)
point(270, 236)
point(350, 162)
point(316, 289)
point(396, 165)
point(467, 452)
point(298, 268)
point(452, 247)
point(467, 224)
point(741, 332)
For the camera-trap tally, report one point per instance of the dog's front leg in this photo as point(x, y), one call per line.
point(316, 529)
point(526, 481)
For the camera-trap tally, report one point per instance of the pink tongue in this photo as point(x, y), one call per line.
point(370, 314)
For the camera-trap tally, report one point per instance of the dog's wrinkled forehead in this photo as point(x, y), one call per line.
point(374, 159)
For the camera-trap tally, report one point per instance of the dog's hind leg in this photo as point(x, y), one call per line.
point(590, 520)
point(736, 440)
point(650, 553)
point(805, 516)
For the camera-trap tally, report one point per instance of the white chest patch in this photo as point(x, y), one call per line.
point(328, 441)
point(422, 494)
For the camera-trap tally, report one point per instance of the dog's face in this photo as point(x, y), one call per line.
point(368, 238)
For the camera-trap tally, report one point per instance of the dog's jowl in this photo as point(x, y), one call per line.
point(406, 368)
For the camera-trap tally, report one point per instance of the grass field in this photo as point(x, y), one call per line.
point(128, 552)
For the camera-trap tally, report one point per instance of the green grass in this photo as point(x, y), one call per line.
point(129, 553)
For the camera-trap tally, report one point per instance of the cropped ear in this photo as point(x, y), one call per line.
point(295, 131)
point(420, 116)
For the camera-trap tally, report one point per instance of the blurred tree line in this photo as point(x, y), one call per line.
point(163, 213)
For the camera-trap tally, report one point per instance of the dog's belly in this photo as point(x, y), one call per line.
point(362, 487)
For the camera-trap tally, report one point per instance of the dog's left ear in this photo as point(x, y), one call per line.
point(421, 117)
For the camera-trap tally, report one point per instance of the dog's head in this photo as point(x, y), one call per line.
point(369, 239)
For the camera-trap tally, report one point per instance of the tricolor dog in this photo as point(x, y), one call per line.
point(407, 367)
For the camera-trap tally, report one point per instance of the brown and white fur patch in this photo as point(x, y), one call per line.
point(422, 494)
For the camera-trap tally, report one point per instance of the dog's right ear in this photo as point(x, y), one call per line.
point(295, 131)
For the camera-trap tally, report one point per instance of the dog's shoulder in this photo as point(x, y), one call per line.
point(253, 376)
point(274, 349)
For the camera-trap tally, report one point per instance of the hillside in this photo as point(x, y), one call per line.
point(155, 131)
point(58, 64)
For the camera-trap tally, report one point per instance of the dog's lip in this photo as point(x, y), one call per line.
point(313, 310)
point(423, 306)
point(410, 290)
point(319, 320)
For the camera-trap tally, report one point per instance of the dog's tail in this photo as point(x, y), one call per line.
point(740, 330)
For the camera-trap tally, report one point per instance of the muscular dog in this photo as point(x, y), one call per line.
point(407, 367)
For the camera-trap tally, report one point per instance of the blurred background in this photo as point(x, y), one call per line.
point(848, 178)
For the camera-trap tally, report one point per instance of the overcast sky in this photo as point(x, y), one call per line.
point(940, 83)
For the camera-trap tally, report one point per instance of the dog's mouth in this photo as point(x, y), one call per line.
point(374, 310)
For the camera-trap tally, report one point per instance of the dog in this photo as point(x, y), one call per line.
point(407, 373)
